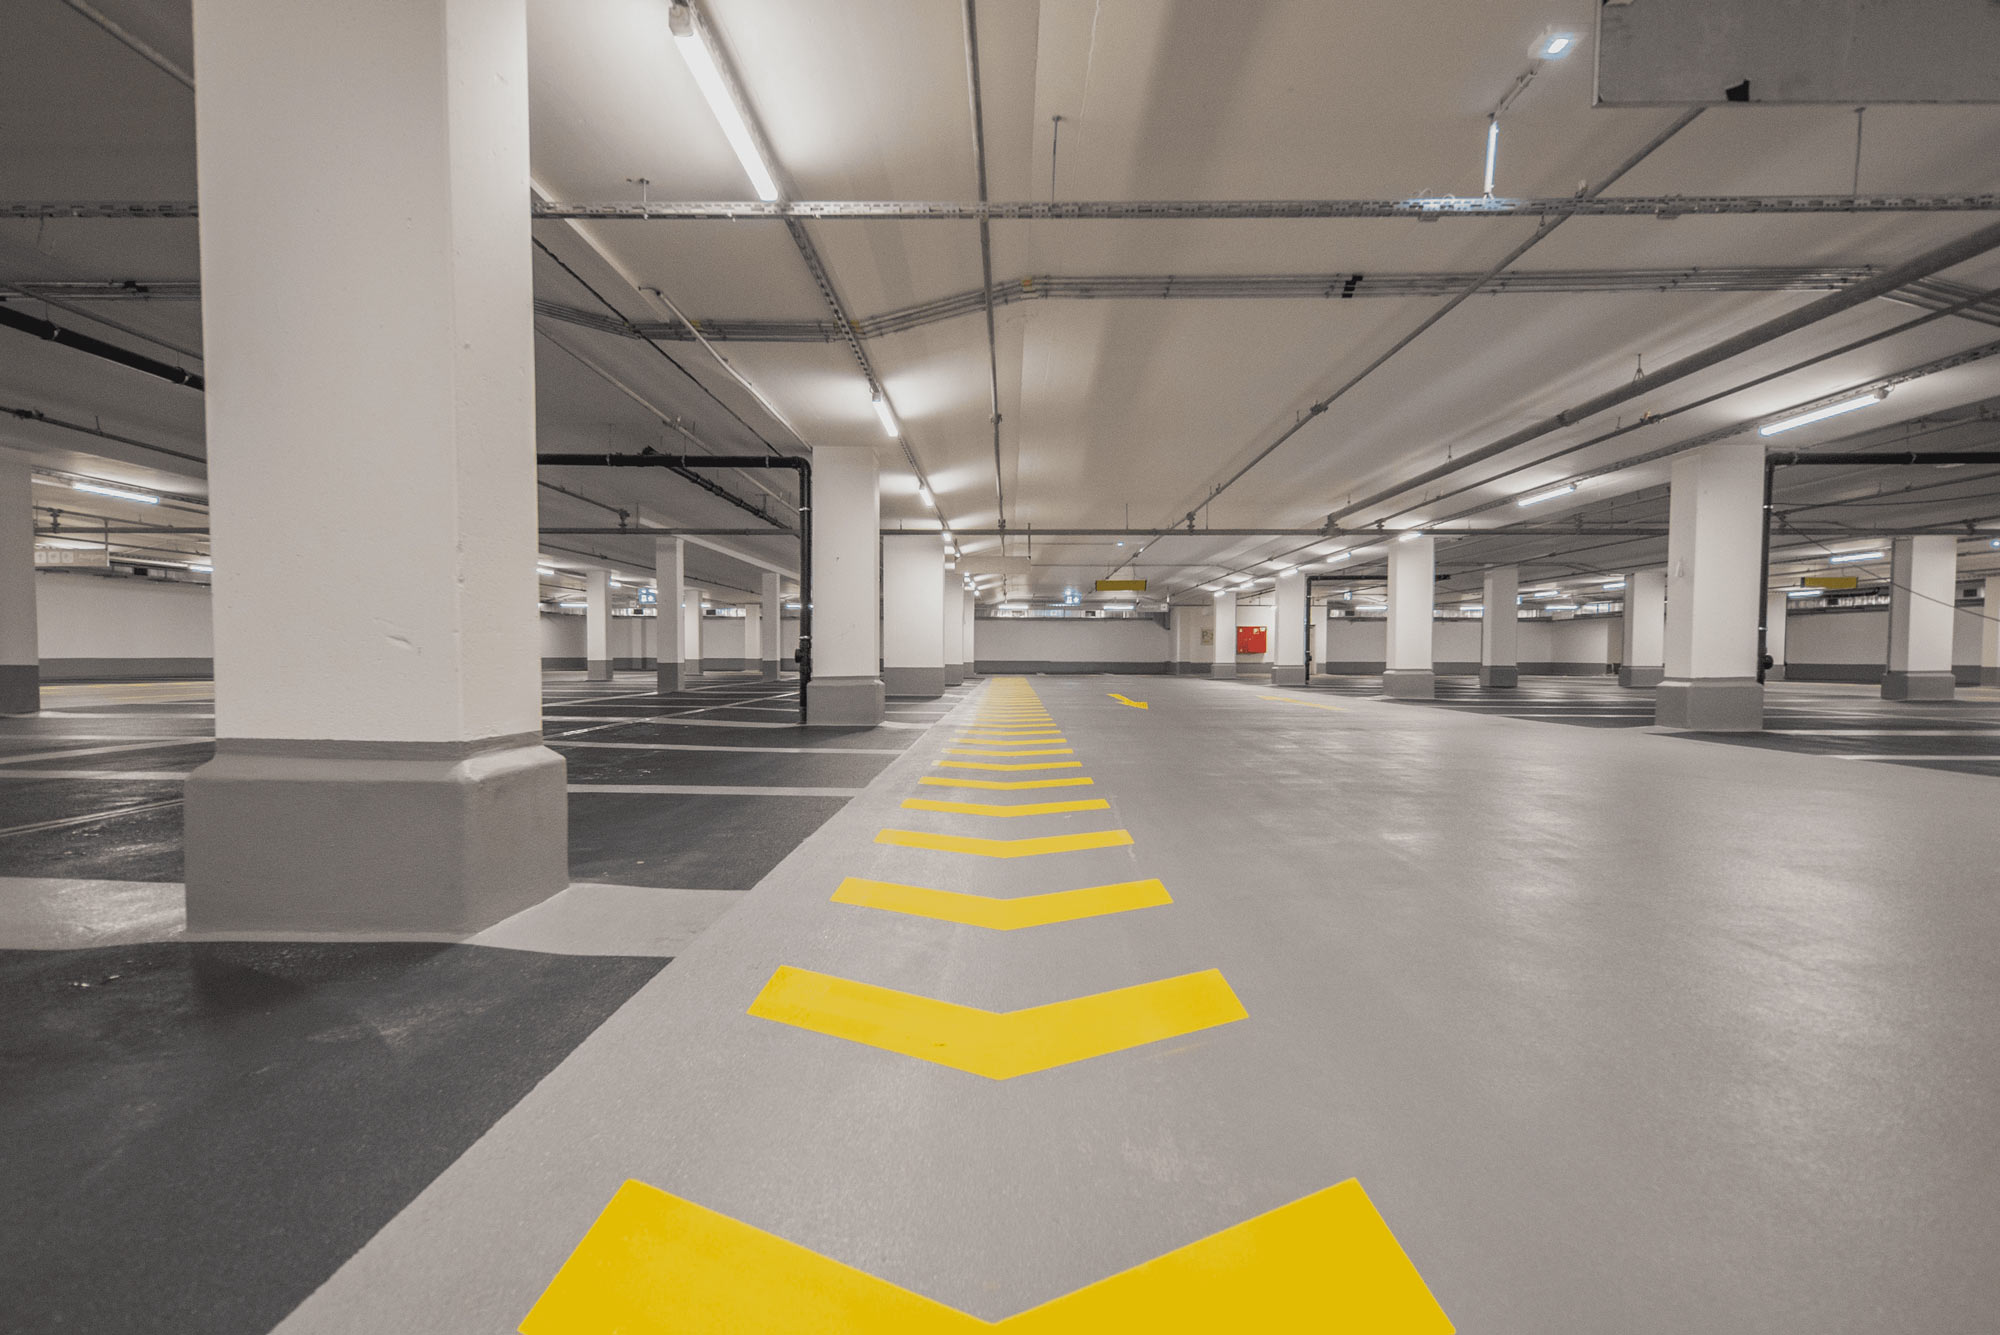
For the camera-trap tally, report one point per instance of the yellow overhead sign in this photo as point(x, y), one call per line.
point(1121, 586)
point(1830, 581)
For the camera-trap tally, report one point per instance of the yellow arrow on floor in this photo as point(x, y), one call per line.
point(1000, 914)
point(1004, 848)
point(966, 751)
point(998, 1044)
point(1004, 808)
point(982, 764)
point(1136, 704)
point(1006, 785)
point(653, 1263)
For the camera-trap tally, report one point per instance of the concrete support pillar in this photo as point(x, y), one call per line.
point(1224, 663)
point(968, 607)
point(691, 623)
point(669, 640)
point(912, 615)
point(1644, 661)
point(597, 625)
point(1500, 628)
point(379, 764)
point(20, 641)
point(1288, 631)
point(952, 609)
point(846, 687)
point(1989, 634)
point(1923, 592)
point(1715, 586)
point(771, 626)
point(1775, 603)
point(1412, 598)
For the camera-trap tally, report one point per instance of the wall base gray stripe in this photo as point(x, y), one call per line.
point(126, 669)
point(564, 664)
point(20, 688)
point(1051, 668)
point(1866, 674)
point(285, 838)
point(1568, 669)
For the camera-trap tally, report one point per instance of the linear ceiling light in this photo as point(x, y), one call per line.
point(1538, 497)
point(888, 418)
point(1844, 557)
point(116, 493)
point(1492, 150)
point(1411, 536)
point(1805, 593)
point(925, 493)
point(1821, 414)
point(701, 63)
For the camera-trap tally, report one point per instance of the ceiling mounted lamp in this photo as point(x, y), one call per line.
point(116, 493)
point(1821, 414)
point(692, 42)
point(886, 417)
point(925, 494)
point(1547, 494)
point(1553, 44)
point(1411, 536)
point(1845, 558)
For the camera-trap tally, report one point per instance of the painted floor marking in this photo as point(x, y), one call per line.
point(1004, 848)
point(64, 822)
point(1136, 704)
point(998, 1045)
point(975, 751)
point(1002, 914)
point(1309, 704)
point(981, 764)
point(712, 790)
point(1006, 808)
point(69, 752)
point(565, 744)
point(1004, 785)
point(654, 1263)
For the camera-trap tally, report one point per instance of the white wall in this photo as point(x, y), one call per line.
point(561, 636)
point(1362, 642)
point(1048, 644)
point(724, 638)
point(96, 626)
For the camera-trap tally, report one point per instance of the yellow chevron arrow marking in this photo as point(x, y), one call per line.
point(1004, 848)
point(1002, 915)
point(1033, 717)
point(654, 1264)
point(1309, 704)
point(1008, 729)
point(1037, 735)
point(981, 764)
point(1005, 785)
point(997, 1044)
point(1136, 704)
point(1004, 809)
point(964, 751)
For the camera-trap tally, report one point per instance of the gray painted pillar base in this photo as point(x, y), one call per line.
point(668, 677)
point(1222, 669)
point(1989, 676)
point(926, 683)
point(20, 688)
point(1777, 673)
point(1291, 674)
point(845, 702)
point(690, 667)
point(1918, 685)
point(597, 669)
point(374, 837)
point(1710, 704)
point(1641, 677)
point(769, 669)
point(1409, 684)
point(954, 674)
point(1499, 676)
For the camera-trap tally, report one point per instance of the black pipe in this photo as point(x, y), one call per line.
point(802, 467)
point(97, 347)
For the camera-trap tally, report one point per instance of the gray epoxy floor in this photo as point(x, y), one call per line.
point(1622, 1033)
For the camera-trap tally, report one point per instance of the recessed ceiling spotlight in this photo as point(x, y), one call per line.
point(1553, 45)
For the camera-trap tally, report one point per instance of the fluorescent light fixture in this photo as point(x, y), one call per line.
point(1013, 607)
point(1821, 414)
point(1536, 498)
point(202, 570)
point(1994, 543)
point(1472, 607)
point(1411, 536)
point(1614, 584)
point(925, 493)
point(544, 570)
point(1843, 558)
point(708, 77)
point(1805, 593)
point(116, 493)
point(1492, 149)
point(888, 418)
point(1555, 45)
point(1276, 565)
point(1547, 593)
point(572, 604)
point(1119, 607)
point(1562, 607)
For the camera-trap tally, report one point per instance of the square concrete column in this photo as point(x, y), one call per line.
point(597, 625)
point(1412, 598)
point(952, 609)
point(1715, 590)
point(771, 641)
point(670, 635)
point(1923, 593)
point(969, 607)
point(912, 615)
point(846, 688)
point(1775, 605)
point(1288, 633)
point(20, 640)
point(1644, 661)
point(367, 325)
point(1989, 634)
point(1224, 660)
point(1500, 628)
point(691, 625)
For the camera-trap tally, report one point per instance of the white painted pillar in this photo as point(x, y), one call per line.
point(1923, 592)
point(20, 641)
point(771, 645)
point(1775, 605)
point(597, 625)
point(846, 686)
point(1288, 630)
point(691, 640)
point(912, 615)
point(1989, 634)
point(951, 608)
point(1643, 663)
point(1500, 628)
point(1224, 663)
point(969, 608)
point(1412, 598)
point(367, 324)
point(1715, 588)
point(670, 634)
